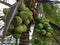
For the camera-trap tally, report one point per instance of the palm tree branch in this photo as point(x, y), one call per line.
point(5, 3)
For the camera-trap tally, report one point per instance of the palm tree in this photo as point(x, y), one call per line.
point(24, 39)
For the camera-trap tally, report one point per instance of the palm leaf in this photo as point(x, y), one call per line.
point(49, 12)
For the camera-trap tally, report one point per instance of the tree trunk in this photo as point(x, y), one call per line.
point(24, 39)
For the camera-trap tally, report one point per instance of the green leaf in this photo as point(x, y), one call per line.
point(49, 12)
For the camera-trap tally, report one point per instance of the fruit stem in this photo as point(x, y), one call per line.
point(16, 42)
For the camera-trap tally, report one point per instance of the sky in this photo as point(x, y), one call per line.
point(3, 6)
